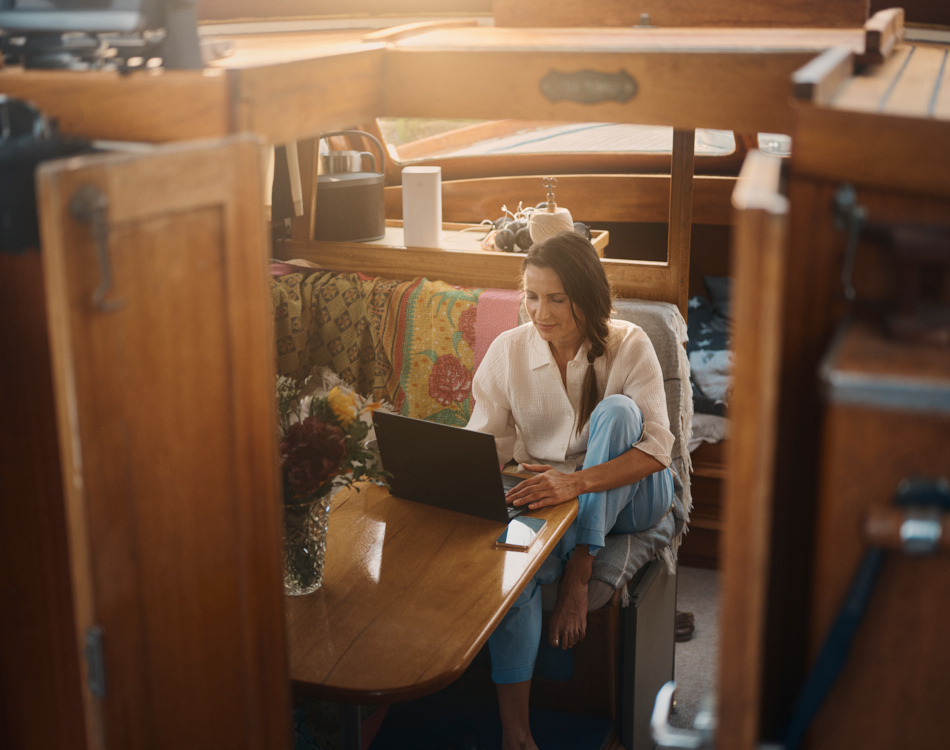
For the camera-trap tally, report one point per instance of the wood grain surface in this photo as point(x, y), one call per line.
point(410, 594)
point(166, 415)
point(589, 197)
point(39, 653)
point(759, 253)
point(736, 82)
point(890, 693)
point(664, 13)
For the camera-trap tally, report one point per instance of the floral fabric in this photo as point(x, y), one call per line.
point(411, 343)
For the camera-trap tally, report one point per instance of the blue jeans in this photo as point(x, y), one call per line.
point(615, 425)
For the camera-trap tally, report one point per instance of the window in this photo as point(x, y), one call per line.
point(411, 139)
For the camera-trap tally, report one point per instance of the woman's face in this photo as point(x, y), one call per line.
point(550, 308)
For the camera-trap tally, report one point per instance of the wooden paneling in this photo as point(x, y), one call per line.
point(910, 94)
point(166, 414)
point(886, 152)
point(889, 694)
point(759, 257)
point(814, 13)
point(40, 684)
point(152, 107)
point(589, 198)
point(685, 81)
point(297, 99)
point(218, 10)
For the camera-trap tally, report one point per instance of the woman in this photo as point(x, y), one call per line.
point(578, 398)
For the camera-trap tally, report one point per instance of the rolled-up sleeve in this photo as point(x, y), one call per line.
point(492, 410)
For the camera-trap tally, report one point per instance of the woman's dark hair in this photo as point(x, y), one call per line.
point(574, 260)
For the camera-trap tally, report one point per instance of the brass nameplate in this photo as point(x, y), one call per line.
point(589, 86)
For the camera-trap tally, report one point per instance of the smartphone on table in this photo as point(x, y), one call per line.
point(520, 533)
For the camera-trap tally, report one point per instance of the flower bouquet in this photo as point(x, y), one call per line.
point(322, 448)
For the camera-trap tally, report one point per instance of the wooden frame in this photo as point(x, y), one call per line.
point(732, 13)
point(758, 262)
point(667, 282)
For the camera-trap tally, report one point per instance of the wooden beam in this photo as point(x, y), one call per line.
point(889, 152)
point(665, 13)
point(882, 32)
point(730, 81)
point(165, 106)
point(759, 250)
point(681, 212)
point(590, 198)
point(294, 100)
point(818, 81)
point(629, 279)
point(406, 30)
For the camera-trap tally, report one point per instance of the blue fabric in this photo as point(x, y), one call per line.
point(615, 426)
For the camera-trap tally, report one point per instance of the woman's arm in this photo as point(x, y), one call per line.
point(554, 487)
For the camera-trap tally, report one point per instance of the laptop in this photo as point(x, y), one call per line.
point(448, 467)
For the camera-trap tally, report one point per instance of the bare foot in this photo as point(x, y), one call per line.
point(569, 620)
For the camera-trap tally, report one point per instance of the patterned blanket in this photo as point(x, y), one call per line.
point(413, 343)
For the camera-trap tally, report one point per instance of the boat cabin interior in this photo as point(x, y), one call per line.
point(199, 196)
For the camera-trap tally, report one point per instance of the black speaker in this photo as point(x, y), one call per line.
point(350, 207)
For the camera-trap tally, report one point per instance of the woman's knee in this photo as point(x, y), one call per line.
point(617, 411)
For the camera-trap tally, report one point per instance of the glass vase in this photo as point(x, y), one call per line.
point(305, 544)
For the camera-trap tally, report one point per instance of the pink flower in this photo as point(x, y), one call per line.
point(467, 326)
point(311, 453)
point(449, 380)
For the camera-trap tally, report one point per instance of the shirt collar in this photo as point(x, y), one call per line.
point(541, 354)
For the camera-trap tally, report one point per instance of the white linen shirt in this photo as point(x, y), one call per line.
point(521, 399)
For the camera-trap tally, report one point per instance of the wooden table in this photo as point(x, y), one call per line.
point(410, 594)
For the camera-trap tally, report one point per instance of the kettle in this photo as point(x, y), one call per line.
point(350, 204)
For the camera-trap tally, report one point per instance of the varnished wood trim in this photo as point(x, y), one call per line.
point(882, 32)
point(221, 10)
point(295, 100)
point(733, 13)
point(817, 81)
point(680, 213)
point(758, 259)
point(628, 278)
point(411, 29)
point(168, 106)
point(589, 197)
point(885, 151)
point(686, 89)
point(758, 185)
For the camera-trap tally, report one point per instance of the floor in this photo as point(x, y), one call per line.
point(697, 660)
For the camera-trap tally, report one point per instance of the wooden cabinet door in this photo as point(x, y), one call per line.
point(759, 250)
point(164, 395)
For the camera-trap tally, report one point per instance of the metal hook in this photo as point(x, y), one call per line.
point(850, 216)
point(90, 205)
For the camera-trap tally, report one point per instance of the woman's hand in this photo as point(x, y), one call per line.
point(553, 487)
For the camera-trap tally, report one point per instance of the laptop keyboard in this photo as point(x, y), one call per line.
point(509, 482)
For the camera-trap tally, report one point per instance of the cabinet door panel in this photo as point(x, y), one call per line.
point(759, 253)
point(166, 422)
